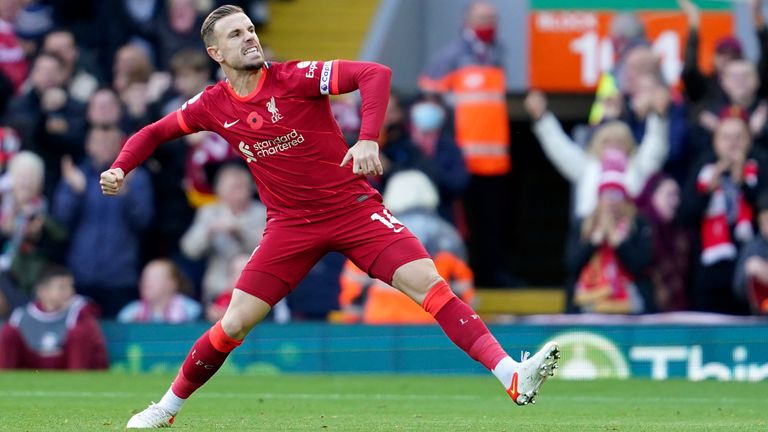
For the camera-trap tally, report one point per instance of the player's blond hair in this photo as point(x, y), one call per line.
point(206, 31)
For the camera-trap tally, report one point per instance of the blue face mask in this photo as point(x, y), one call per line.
point(427, 116)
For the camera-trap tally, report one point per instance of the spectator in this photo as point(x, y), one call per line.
point(191, 74)
point(639, 81)
point(701, 87)
point(13, 62)
point(56, 331)
point(583, 167)
point(162, 296)
point(132, 73)
point(181, 31)
point(718, 202)
point(49, 121)
point(30, 236)
point(626, 32)
point(413, 199)
point(609, 251)
point(750, 281)
point(471, 70)
point(33, 21)
point(79, 82)
point(740, 83)
point(639, 105)
point(106, 111)
point(95, 220)
point(225, 229)
point(128, 21)
point(424, 146)
point(81, 18)
point(441, 158)
point(670, 268)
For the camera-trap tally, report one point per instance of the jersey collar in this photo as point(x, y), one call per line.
point(255, 91)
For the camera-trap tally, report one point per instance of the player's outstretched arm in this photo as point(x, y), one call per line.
point(364, 156)
point(138, 148)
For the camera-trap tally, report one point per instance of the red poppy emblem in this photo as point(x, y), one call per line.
point(255, 121)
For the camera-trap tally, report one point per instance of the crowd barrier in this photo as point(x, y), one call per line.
point(690, 346)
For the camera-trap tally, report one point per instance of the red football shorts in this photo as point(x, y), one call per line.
point(365, 232)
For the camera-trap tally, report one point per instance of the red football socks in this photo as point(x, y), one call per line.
point(463, 325)
point(205, 358)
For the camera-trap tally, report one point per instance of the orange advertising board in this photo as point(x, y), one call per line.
point(570, 49)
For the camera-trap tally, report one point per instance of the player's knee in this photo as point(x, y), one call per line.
point(235, 326)
point(243, 313)
point(238, 322)
point(416, 279)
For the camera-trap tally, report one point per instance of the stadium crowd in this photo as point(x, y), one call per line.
point(670, 204)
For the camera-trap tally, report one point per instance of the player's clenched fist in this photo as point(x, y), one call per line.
point(111, 181)
point(365, 158)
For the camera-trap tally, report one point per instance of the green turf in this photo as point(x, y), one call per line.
point(49, 401)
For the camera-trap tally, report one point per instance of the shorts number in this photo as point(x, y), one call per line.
point(390, 221)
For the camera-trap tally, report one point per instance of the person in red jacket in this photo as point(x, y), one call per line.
point(58, 330)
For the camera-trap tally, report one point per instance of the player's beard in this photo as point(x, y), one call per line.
point(253, 67)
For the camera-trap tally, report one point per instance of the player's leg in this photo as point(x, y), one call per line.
point(211, 350)
point(204, 359)
point(379, 244)
point(419, 280)
point(275, 268)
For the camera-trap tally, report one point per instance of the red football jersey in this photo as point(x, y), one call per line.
point(287, 135)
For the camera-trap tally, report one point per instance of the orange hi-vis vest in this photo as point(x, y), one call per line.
point(481, 117)
point(386, 305)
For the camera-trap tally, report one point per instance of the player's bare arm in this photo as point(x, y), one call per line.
point(364, 156)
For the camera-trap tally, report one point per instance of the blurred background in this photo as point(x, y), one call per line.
point(591, 171)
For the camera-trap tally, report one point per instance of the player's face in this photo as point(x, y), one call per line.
point(237, 45)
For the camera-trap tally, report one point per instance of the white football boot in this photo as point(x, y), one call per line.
point(532, 372)
point(152, 417)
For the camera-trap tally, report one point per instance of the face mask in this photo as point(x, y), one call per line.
point(427, 116)
point(485, 34)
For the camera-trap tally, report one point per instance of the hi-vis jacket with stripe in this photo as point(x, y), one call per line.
point(471, 74)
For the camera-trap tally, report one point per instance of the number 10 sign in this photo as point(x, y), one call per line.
point(569, 49)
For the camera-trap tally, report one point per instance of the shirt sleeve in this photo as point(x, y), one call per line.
point(315, 78)
point(141, 144)
point(311, 78)
point(373, 80)
point(193, 113)
point(184, 121)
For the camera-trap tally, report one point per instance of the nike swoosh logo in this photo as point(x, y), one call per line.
point(228, 125)
point(512, 390)
point(397, 230)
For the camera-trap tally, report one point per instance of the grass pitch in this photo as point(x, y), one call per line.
point(51, 401)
